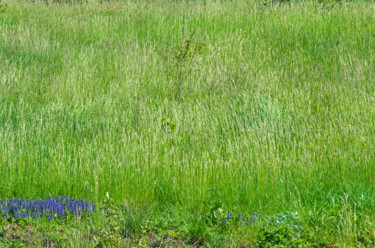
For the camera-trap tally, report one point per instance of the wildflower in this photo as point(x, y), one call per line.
point(50, 207)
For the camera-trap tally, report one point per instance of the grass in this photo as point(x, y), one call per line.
point(280, 116)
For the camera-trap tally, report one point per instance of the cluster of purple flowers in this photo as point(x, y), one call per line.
point(244, 221)
point(50, 207)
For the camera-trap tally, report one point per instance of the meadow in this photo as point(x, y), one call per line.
point(277, 118)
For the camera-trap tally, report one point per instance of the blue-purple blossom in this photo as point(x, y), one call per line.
point(243, 221)
point(50, 207)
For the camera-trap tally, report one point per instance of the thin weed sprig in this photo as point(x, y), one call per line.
point(181, 60)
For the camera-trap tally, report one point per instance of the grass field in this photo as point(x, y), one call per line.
point(278, 118)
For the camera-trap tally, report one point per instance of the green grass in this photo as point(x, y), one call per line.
point(280, 117)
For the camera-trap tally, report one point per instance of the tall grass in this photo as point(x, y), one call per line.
point(281, 115)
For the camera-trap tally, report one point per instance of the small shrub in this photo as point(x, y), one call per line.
point(47, 2)
point(329, 4)
point(275, 2)
point(3, 7)
point(181, 60)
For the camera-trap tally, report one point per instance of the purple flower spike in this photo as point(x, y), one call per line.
point(49, 207)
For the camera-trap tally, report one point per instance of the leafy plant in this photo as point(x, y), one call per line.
point(111, 236)
point(329, 4)
point(47, 2)
point(3, 7)
point(181, 60)
point(284, 230)
point(276, 2)
point(167, 124)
